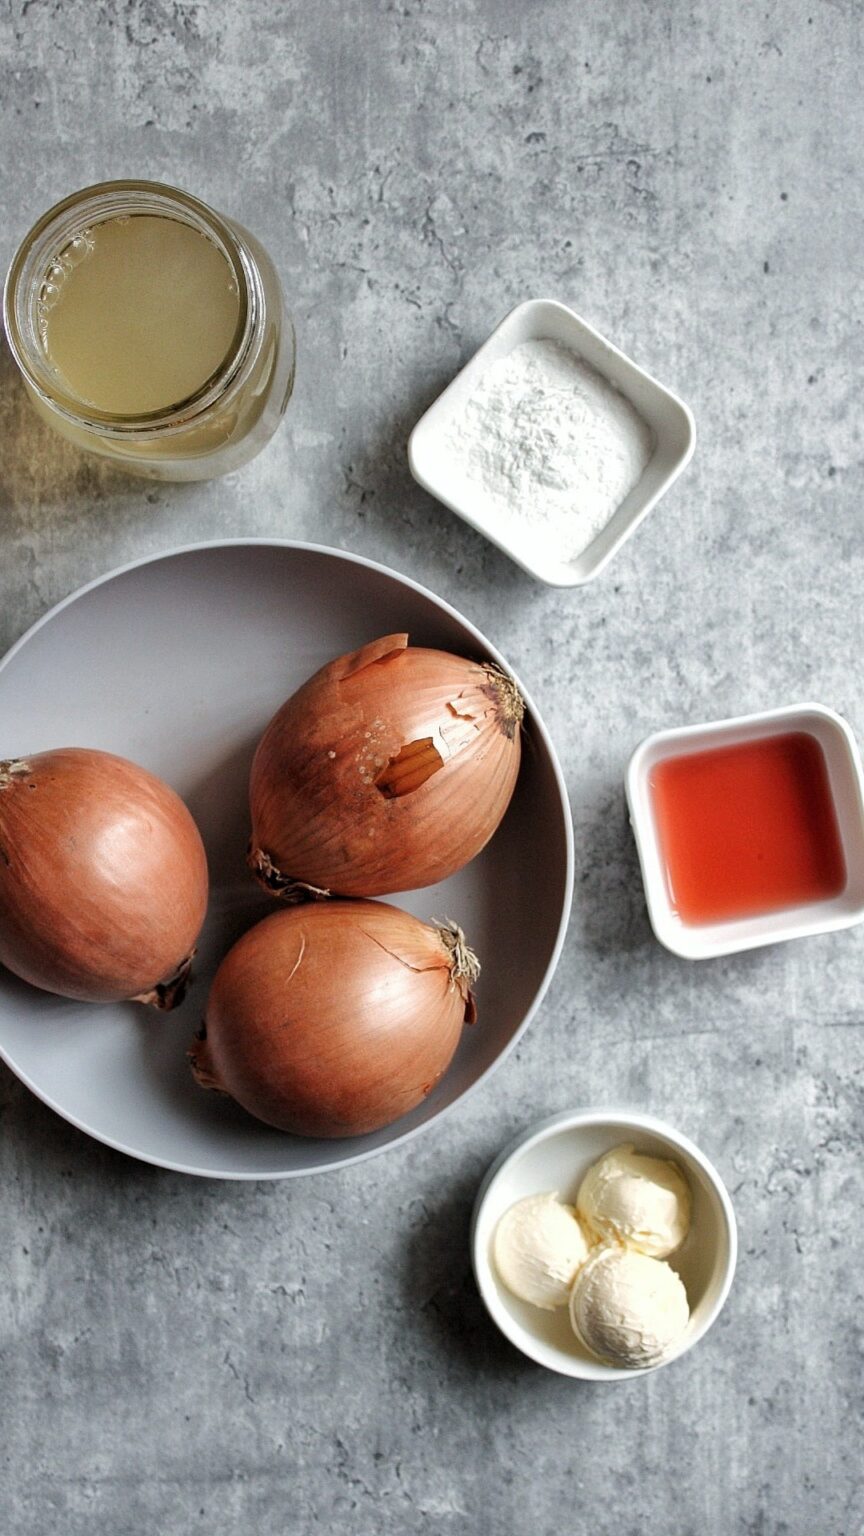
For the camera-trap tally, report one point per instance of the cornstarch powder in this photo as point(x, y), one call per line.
point(553, 446)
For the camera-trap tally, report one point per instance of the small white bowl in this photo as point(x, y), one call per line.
point(555, 1155)
point(843, 762)
point(434, 466)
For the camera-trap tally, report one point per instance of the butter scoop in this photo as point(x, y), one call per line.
point(643, 1202)
point(627, 1308)
point(539, 1247)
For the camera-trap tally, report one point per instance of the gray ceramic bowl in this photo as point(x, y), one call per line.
point(178, 663)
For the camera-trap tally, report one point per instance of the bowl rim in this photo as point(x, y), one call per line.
point(429, 421)
point(625, 1121)
point(689, 941)
point(408, 1135)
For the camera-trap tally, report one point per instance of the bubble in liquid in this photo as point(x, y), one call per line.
point(79, 247)
point(59, 267)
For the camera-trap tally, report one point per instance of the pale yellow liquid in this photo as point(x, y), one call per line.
point(138, 314)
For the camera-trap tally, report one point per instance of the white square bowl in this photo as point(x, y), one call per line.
point(434, 465)
point(846, 782)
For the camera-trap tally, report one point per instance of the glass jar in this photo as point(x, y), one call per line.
point(230, 413)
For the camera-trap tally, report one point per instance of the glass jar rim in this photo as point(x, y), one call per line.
point(96, 204)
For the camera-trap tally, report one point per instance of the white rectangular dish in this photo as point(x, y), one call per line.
point(700, 941)
point(438, 469)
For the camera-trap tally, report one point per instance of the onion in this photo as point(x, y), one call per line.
point(103, 878)
point(335, 1019)
point(389, 769)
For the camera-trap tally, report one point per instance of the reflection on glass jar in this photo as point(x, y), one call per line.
point(151, 330)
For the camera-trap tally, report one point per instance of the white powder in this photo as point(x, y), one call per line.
point(553, 446)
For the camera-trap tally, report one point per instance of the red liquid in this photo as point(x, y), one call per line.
point(748, 829)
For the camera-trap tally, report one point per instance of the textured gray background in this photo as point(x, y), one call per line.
point(179, 1356)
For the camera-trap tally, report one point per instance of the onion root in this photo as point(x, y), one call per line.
point(464, 965)
point(169, 994)
point(13, 768)
point(510, 703)
point(198, 1057)
point(271, 879)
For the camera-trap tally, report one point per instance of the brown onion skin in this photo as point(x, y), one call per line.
point(103, 877)
point(319, 818)
point(333, 1019)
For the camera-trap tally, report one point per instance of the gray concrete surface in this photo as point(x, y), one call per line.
point(181, 1357)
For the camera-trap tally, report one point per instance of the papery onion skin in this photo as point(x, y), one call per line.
point(389, 769)
point(334, 1019)
point(103, 878)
